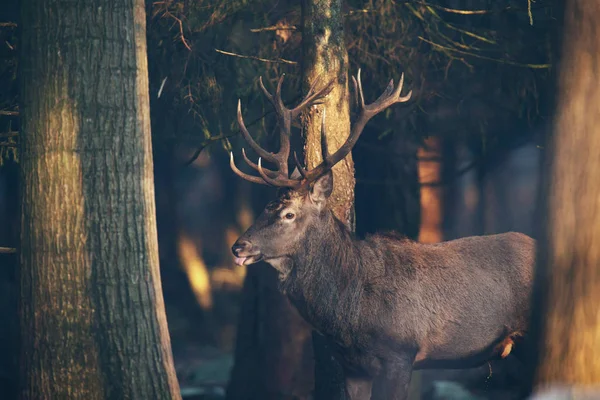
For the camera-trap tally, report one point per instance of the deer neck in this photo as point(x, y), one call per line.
point(325, 283)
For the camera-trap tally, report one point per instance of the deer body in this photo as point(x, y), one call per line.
point(387, 305)
point(445, 305)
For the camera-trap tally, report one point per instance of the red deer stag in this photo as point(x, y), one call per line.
point(387, 305)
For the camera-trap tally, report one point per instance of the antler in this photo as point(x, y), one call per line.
point(367, 111)
point(280, 177)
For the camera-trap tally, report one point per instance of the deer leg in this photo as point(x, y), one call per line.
point(396, 379)
point(358, 387)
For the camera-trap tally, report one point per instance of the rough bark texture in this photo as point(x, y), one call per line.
point(325, 57)
point(93, 323)
point(566, 315)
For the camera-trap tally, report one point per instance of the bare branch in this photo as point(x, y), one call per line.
point(275, 28)
point(9, 113)
point(7, 250)
point(205, 145)
point(508, 62)
point(456, 11)
point(278, 61)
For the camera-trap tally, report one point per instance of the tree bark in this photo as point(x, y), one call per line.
point(325, 57)
point(566, 323)
point(93, 323)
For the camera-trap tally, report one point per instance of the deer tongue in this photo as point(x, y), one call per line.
point(240, 260)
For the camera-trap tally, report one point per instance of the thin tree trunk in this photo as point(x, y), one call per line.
point(432, 215)
point(432, 197)
point(566, 321)
point(93, 323)
point(325, 57)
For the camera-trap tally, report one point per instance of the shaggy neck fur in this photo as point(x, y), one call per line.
point(326, 282)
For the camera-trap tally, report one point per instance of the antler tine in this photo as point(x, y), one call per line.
point(278, 98)
point(324, 145)
point(402, 99)
point(299, 166)
point(360, 90)
point(259, 150)
point(249, 178)
point(388, 98)
point(255, 166)
point(312, 97)
point(267, 94)
point(279, 181)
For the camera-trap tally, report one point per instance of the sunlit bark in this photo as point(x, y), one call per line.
point(93, 323)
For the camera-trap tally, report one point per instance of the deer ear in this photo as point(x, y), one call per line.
point(296, 174)
point(322, 188)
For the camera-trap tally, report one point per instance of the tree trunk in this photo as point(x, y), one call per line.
point(566, 322)
point(93, 323)
point(432, 197)
point(325, 57)
point(273, 352)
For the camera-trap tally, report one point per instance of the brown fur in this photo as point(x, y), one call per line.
point(388, 305)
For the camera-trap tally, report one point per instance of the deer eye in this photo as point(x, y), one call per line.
point(289, 215)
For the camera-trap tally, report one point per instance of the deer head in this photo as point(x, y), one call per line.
point(302, 199)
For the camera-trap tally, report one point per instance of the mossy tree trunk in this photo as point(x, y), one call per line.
point(93, 323)
point(566, 322)
point(325, 57)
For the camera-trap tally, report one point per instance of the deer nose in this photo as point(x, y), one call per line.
point(240, 246)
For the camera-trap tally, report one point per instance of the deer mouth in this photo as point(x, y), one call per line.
point(247, 260)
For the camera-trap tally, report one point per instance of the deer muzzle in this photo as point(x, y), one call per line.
point(244, 253)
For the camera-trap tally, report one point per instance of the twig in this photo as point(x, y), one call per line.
point(9, 113)
point(279, 61)
point(508, 62)
point(8, 25)
point(7, 250)
point(204, 145)
point(275, 28)
point(454, 10)
point(180, 23)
